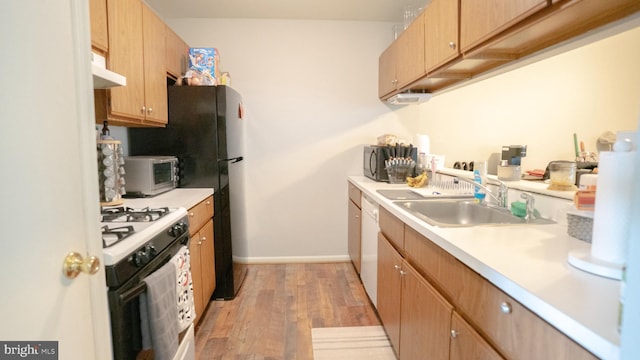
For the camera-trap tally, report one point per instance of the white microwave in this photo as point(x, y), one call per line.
point(150, 175)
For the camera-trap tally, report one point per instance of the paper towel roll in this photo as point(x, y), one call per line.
point(423, 143)
point(613, 206)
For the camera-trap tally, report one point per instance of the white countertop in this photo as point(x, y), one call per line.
point(181, 197)
point(530, 264)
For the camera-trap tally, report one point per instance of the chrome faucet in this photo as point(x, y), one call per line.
point(530, 206)
point(502, 199)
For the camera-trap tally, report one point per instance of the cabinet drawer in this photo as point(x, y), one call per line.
point(502, 319)
point(355, 194)
point(440, 267)
point(200, 214)
point(392, 228)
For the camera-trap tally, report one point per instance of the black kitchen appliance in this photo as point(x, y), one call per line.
point(203, 133)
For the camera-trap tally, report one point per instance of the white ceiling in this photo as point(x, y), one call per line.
point(351, 10)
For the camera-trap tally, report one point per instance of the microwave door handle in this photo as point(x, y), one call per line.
point(372, 170)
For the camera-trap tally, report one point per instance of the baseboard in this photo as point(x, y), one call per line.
point(292, 259)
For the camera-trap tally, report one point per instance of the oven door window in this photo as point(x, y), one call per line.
point(162, 173)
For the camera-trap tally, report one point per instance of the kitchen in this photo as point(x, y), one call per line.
point(317, 85)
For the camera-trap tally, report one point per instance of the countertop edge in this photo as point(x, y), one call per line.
point(179, 197)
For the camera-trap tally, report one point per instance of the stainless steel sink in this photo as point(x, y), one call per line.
point(457, 213)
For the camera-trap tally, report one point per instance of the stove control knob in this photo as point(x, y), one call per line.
point(178, 229)
point(151, 250)
point(144, 255)
point(141, 258)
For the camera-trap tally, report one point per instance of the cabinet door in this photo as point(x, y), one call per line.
point(176, 54)
point(155, 69)
point(207, 261)
point(389, 285)
point(481, 19)
point(466, 343)
point(196, 274)
point(354, 235)
point(387, 79)
point(425, 319)
point(512, 328)
point(125, 57)
point(410, 64)
point(441, 33)
point(98, 18)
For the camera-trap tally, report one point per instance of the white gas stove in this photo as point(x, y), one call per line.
point(125, 230)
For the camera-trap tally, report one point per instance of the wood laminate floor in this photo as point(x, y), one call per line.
point(276, 308)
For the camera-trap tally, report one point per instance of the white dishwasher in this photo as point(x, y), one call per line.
point(369, 247)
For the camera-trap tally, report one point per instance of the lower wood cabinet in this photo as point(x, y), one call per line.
point(389, 285)
point(434, 306)
point(466, 343)
point(419, 321)
point(425, 318)
point(354, 224)
point(202, 253)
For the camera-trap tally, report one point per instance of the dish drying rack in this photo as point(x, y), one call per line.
point(447, 186)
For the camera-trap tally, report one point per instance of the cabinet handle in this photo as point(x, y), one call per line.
point(208, 202)
point(403, 273)
point(505, 307)
point(149, 110)
point(397, 267)
point(454, 334)
point(452, 45)
point(191, 214)
point(143, 110)
point(203, 239)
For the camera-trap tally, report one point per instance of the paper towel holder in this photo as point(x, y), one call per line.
point(583, 260)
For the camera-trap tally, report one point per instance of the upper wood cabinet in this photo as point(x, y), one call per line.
point(410, 65)
point(481, 19)
point(155, 68)
point(441, 33)
point(98, 19)
point(176, 54)
point(492, 33)
point(137, 51)
point(387, 79)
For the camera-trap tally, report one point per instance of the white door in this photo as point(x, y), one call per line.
point(48, 185)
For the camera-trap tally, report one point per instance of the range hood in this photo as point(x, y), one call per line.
point(408, 98)
point(102, 77)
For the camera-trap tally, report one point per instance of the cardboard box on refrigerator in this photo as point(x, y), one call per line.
point(204, 66)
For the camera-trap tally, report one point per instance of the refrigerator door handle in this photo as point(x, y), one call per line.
point(234, 160)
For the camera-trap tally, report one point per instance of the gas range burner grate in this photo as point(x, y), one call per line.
point(127, 214)
point(112, 236)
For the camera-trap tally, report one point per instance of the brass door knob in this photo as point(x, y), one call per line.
point(74, 264)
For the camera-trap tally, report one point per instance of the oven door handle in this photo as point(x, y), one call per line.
point(133, 293)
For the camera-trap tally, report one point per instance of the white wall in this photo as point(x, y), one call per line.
point(588, 91)
point(310, 93)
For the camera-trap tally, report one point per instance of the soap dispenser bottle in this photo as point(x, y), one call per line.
point(480, 177)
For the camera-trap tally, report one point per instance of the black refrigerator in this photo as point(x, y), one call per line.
point(204, 133)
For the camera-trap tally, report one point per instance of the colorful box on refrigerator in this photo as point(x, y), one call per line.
point(204, 65)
